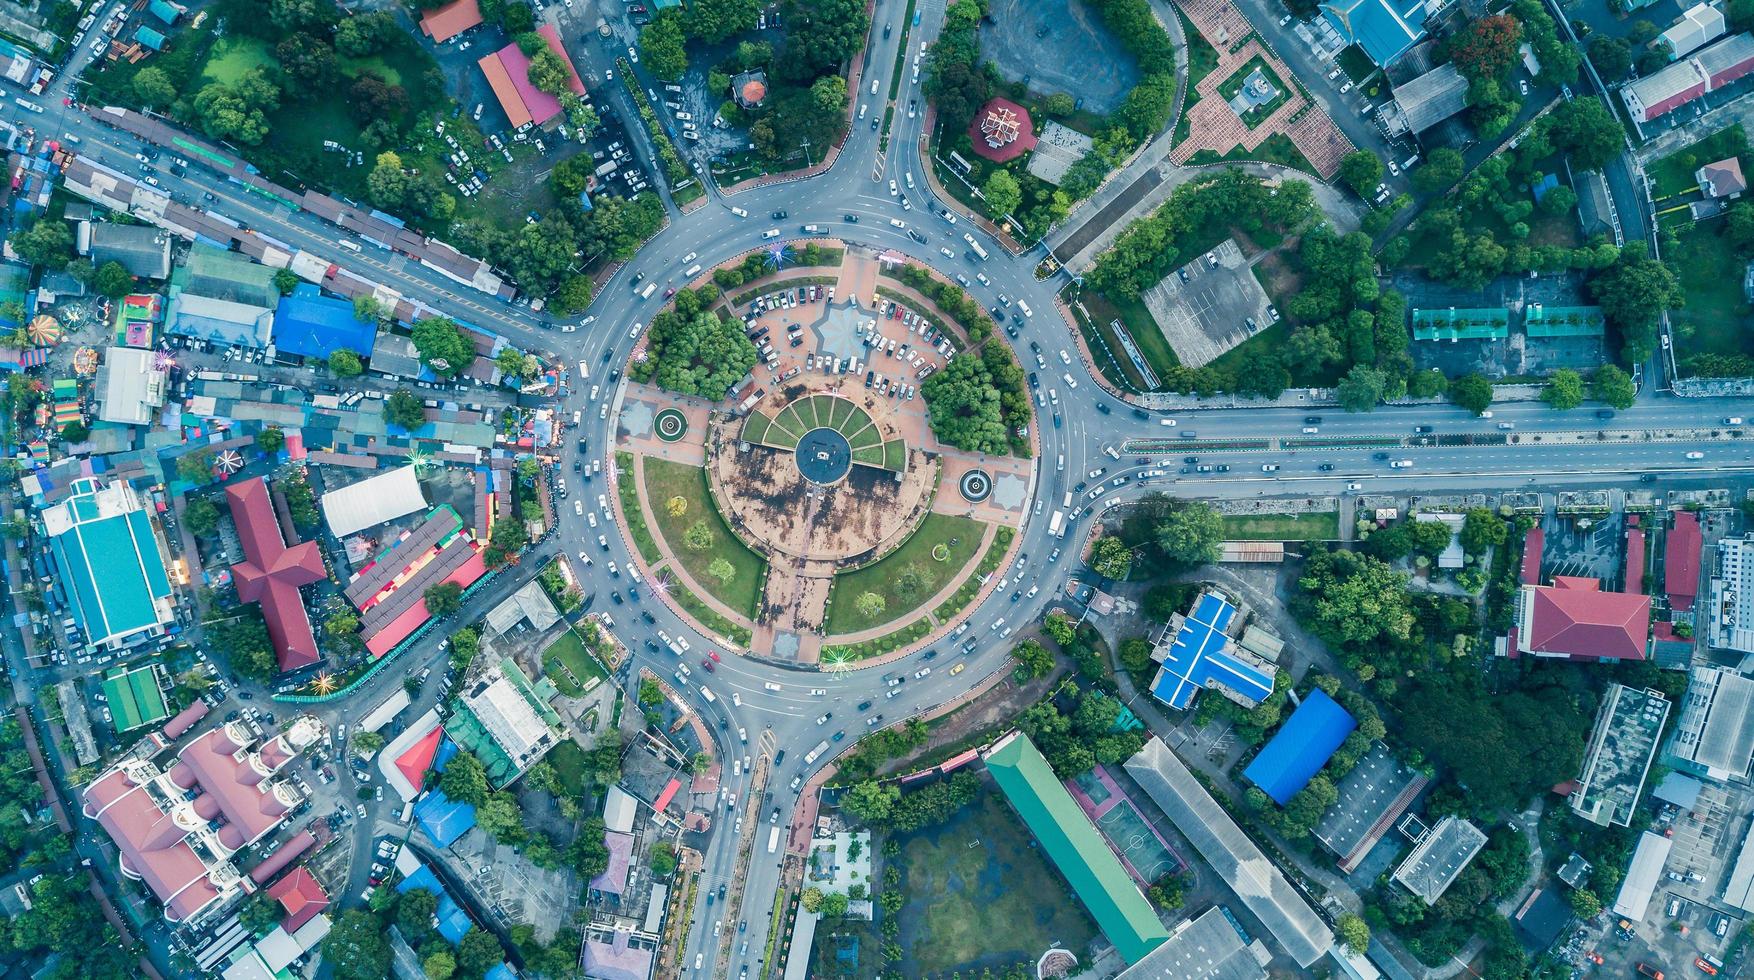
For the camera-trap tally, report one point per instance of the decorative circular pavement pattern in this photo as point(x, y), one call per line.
point(670, 425)
point(976, 486)
point(824, 456)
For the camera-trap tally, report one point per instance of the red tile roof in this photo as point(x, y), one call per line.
point(443, 23)
point(302, 897)
point(272, 573)
point(1681, 562)
point(1575, 618)
point(418, 759)
point(1533, 543)
point(235, 785)
point(1634, 561)
point(1006, 116)
point(153, 846)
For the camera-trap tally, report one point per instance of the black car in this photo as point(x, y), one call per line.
point(1647, 478)
point(1017, 318)
point(584, 446)
point(930, 654)
point(1079, 486)
point(1604, 413)
point(1312, 420)
point(1033, 346)
point(1379, 456)
point(617, 597)
point(1140, 413)
point(1224, 467)
point(608, 356)
point(779, 757)
point(779, 215)
point(636, 278)
point(648, 617)
point(1326, 467)
point(1016, 595)
point(1056, 420)
point(1103, 408)
point(1034, 381)
point(851, 219)
point(1190, 459)
point(652, 645)
point(864, 706)
point(1421, 429)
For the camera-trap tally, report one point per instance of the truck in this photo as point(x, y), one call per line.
point(1646, 970)
point(773, 840)
point(1057, 524)
point(816, 753)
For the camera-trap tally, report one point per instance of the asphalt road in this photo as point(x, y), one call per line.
point(858, 185)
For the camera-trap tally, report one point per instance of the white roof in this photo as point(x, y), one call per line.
point(798, 954)
point(509, 718)
point(130, 389)
point(373, 501)
point(1739, 890)
point(248, 967)
point(1641, 878)
point(618, 810)
point(655, 907)
point(393, 749)
point(382, 714)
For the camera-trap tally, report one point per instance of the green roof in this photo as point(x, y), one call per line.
point(135, 697)
point(1564, 321)
point(469, 732)
point(1076, 848)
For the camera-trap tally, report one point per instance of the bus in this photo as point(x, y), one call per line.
point(773, 840)
point(976, 246)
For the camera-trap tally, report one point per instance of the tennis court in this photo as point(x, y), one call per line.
point(1140, 847)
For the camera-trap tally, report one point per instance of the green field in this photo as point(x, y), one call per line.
point(980, 892)
point(568, 761)
point(666, 481)
point(708, 616)
point(572, 669)
point(1131, 311)
point(631, 513)
point(1283, 527)
point(1716, 317)
point(902, 596)
point(233, 56)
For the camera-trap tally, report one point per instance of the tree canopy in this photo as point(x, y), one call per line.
point(699, 355)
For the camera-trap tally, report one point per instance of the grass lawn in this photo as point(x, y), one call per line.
point(1716, 317)
point(630, 511)
point(1273, 339)
point(915, 553)
point(1276, 148)
point(1131, 311)
point(979, 893)
point(666, 480)
point(568, 761)
point(1202, 57)
point(708, 616)
point(1283, 527)
point(1673, 174)
point(572, 669)
point(233, 56)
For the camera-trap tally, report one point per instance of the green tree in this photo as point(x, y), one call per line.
point(442, 345)
point(650, 694)
point(414, 911)
point(403, 408)
point(45, 242)
point(285, 281)
point(1111, 558)
point(834, 905)
point(259, 914)
point(1587, 130)
point(1471, 391)
point(1585, 903)
point(1354, 932)
point(113, 280)
point(1564, 390)
point(1482, 530)
point(699, 536)
point(355, 948)
point(344, 363)
point(1442, 168)
point(1033, 659)
point(548, 72)
point(721, 569)
point(75, 432)
point(963, 405)
point(871, 802)
point(501, 818)
point(1362, 171)
point(1614, 386)
point(1002, 193)
point(271, 439)
point(478, 952)
point(700, 355)
point(201, 517)
point(465, 780)
point(661, 45)
point(811, 898)
point(439, 965)
point(1361, 389)
point(1633, 292)
point(1189, 534)
point(663, 858)
point(196, 467)
point(443, 599)
point(153, 88)
point(239, 110)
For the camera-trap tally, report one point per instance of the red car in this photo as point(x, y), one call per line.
point(713, 654)
point(707, 663)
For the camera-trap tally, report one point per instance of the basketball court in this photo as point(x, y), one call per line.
point(1141, 848)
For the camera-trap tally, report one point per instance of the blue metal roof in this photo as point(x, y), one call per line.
point(443, 818)
point(453, 922)
point(1197, 658)
point(310, 324)
point(1303, 746)
point(1385, 29)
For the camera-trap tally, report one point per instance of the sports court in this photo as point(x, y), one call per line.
point(1141, 848)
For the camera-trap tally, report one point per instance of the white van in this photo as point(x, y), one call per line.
point(646, 293)
point(707, 692)
point(1025, 308)
point(350, 245)
point(693, 270)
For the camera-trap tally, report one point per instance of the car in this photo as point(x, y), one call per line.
point(823, 719)
point(1355, 486)
point(1523, 86)
point(923, 671)
point(839, 735)
point(1695, 455)
point(1421, 429)
point(1733, 420)
point(864, 705)
point(708, 664)
point(1326, 467)
point(632, 54)
point(1269, 467)
point(714, 654)
point(893, 190)
point(578, 507)
point(603, 542)
point(780, 215)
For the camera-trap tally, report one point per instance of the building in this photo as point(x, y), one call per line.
point(222, 298)
point(1452, 555)
point(613, 880)
point(1306, 741)
point(749, 88)
point(1001, 131)
point(1574, 619)
point(1714, 735)
point(1721, 179)
point(390, 592)
point(1072, 842)
point(1642, 876)
point(1372, 797)
point(143, 250)
point(508, 74)
point(177, 825)
point(1429, 99)
point(131, 386)
point(1385, 29)
point(1618, 758)
point(1194, 653)
point(1681, 551)
point(449, 20)
point(273, 571)
point(505, 722)
point(405, 758)
point(1238, 862)
point(135, 696)
point(309, 324)
point(394, 355)
point(372, 501)
point(1438, 856)
point(1699, 25)
point(110, 563)
point(619, 809)
point(529, 604)
point(1541, 918)
point(619, 954)
point(1739, 889)
point(1730, 617)
point(1210, 946)
point(301, 896)
point(1706, 70)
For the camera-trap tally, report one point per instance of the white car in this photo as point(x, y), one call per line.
point(893, 190)
point(1065, 358)
point(578, 507)
point(632, 55)
point(603, 542)
point(1696, 455)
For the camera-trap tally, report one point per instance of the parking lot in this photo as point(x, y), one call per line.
point(1595, 552)
point(1205, 307)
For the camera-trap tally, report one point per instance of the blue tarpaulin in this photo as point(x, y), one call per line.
point(443, 818)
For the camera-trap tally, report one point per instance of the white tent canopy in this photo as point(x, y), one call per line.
point(373, 501)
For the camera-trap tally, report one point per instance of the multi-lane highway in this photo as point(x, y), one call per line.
point(774, 707)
